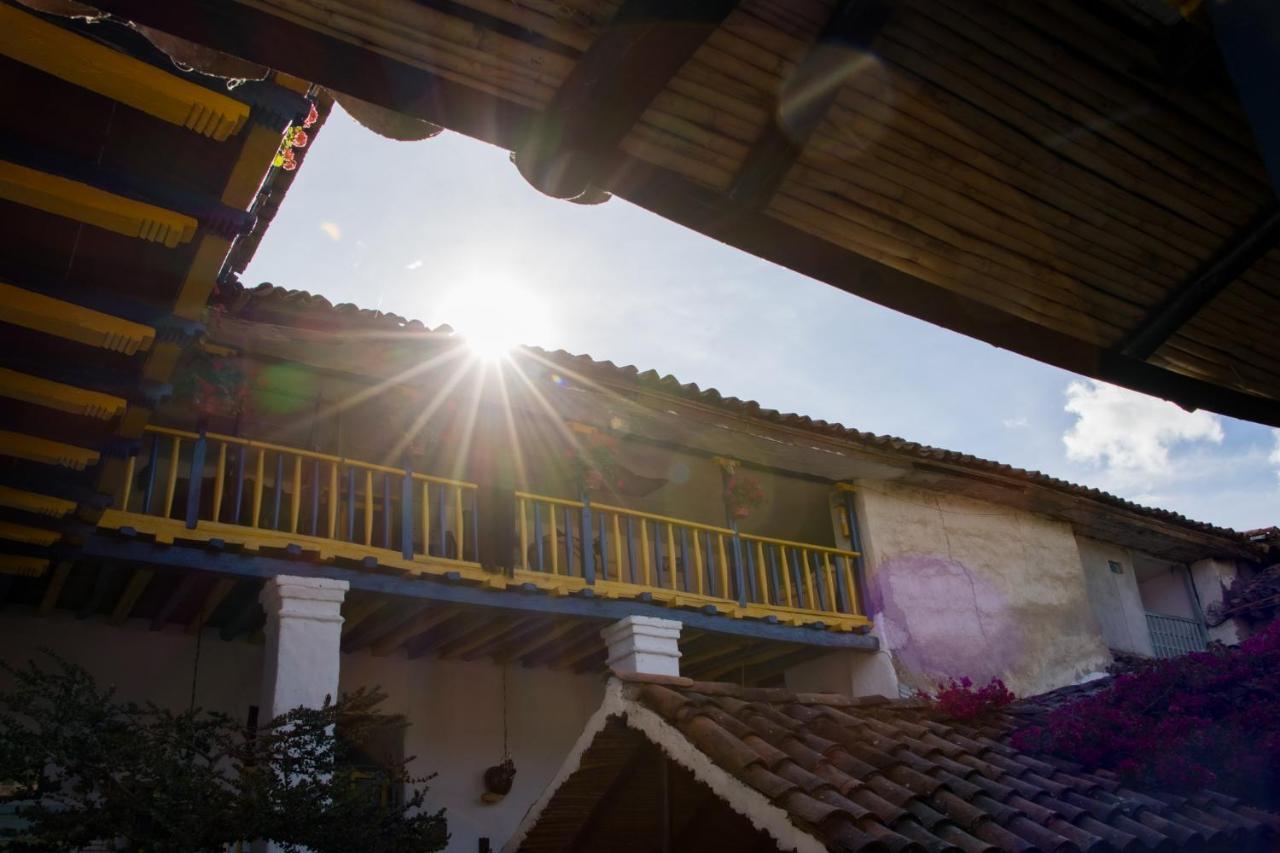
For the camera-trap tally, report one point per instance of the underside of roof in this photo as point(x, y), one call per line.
point(668, 761)
point(1076, 182)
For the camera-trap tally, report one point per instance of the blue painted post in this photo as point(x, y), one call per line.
point(797, 579)
point(684, 558)
point(386, 509)
point(842, 594)
point(751, 575)
point(604, 550)
point(814, 568)
point(239, 481)
point(775, 584)
point(855, 541)
point(709, 566)
point(737, 564)
point(406, 514)
point(588, 543)
point(195, 481)
point(631, 553)
point(279, 490)
point(568, 542)
point(151, 474)
point(315, 495)
point(537, 535)
point(351, 503)
point(440, 516)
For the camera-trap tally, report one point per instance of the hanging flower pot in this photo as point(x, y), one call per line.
point(743, 494)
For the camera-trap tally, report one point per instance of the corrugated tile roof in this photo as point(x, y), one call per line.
point(874, 774)
point(270, 303)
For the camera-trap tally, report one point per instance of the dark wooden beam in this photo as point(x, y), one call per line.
point(102, 583)
point(175, 598)
point(612, 85)
point(52, 592)
point(806, 96)
point(282, 44)
point(129, 596)
point(1185, 301)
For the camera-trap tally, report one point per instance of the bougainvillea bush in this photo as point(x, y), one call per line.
point(960, 700)
point(1204, 719)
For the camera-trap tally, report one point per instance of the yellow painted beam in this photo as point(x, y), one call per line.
point(16, 564)
point(73, 322)
point(35, 503)
point(30, 535)
point(118, 76)
point(81, 202)
point(42, 450)
point(138, 582)
point(55, 395)
point(51, 593)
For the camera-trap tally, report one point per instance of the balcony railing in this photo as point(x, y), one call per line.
point(276, 489)
point(1176, 635)
point(258, 494)
point(626, 552)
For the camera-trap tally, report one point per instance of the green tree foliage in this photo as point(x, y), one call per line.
point(82, 766)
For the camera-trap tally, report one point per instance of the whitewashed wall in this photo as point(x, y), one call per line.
point(454, 708)
point(1116, 601)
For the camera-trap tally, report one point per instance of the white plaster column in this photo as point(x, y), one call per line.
point(849, 672)
point(644, 644)
point(1210, 578)
point(303, 642)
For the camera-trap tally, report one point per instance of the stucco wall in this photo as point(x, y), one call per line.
point(454, 708)
point(1115, 599)
point(966, 588)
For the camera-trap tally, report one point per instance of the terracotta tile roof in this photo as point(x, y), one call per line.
point(279, 305)
point(874, 774)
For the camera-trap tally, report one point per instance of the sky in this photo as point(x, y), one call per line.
point(446, 231)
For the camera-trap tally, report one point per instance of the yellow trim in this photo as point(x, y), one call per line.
point(170, 530)
point(16, 564)
point(662, 519)
point(30, 535)
point(74, 200)
point(65, 320)
point(47, 452)
point(51, 592)
point(39, 504)
point(804, 546)
point(118, 76)
point(55, 395)
point(846, 487)
point(201, 276)
point(138, 583)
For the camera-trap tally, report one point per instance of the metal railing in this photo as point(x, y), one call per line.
point(1172, 636)
point(601, 543)
point(268, 486)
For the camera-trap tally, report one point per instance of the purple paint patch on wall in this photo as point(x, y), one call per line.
point(943, 621)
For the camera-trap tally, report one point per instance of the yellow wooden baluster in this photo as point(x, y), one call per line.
point(617, 544)
point(671, 556)
point(426, 518)
point(698, 565)
point(172, 485)
point(555, 541)
point(806, 574)
point(761, 574)
point(257, 487)
point(524, 535)
point(127, 492)
point(855, 606)
point(785, 568)
point(644, 551)
point(219, 480)
point(333, 500)
point(368, 506)
point(832, 604)
point(724, 566)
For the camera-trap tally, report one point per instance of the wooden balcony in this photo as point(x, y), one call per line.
point(239, 493)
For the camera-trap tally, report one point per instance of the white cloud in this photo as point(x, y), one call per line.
point(1129, 433)
point(1015, 423)
point(414, 265)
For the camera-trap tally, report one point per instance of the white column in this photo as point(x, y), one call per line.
point(303, 642)
point(644, 645)
point(848, 672)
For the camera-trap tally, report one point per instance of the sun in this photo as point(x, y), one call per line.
point(494, 315)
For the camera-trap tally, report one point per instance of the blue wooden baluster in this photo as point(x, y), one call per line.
point(537, 536)
point(604, 549)
point(351, 503)
point(440, 516)
point(736, 558)
point(631, 552)
point(588, 543)
point(386, 509)
point(279, 490)
point(657, 555)
point(713, 577)
point(406, 514)
point(240, 452)
point(568, 542)
point(797, 579)
point(774, 581)
point(151, 474)
point(752, 584)
point(819, 581)
point(195, 481)
point(315, 495)
point(842, 594)
point(685, 573)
